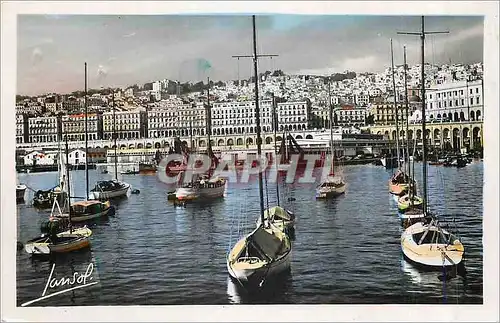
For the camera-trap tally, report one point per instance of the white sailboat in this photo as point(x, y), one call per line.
point(104, 190)
point(87, 209)
point(203, 186)
point(278, 216)
point(267, 250)
point(427, 244)
point(333, 185)
point(409, 203)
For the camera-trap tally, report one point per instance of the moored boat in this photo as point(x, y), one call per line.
point(431, 246)
point(426, 243)
point(88, 210)
point(104, 190)
point(333, 186)
point(263, 253)
point(266, 251)
point(46, 245)
point(405, 202)
point(147, 168)
point(20, 191)
point(202, 187)
point(398, 184)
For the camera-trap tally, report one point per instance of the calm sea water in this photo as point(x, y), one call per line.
point(346, 250)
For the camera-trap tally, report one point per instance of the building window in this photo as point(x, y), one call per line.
point(463, 101)
point(477, 90)
point(471, 100)
point(477, 100)
point(456, 102)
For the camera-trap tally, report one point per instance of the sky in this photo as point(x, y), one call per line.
point(127, 50)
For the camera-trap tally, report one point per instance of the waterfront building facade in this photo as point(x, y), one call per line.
point(128, 124)
point(22, 130)
point(349, 115)
point(73, 126)
point(43, 129)
point(455, 101)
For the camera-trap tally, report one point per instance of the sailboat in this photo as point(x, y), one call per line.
point(55, 241)
point(45, 198)
point(266, 251)
point(87, 209)
point(427, 244)
point(278, 216)
point(104, 190)
point(333, 185)
point(409, 202)
point(398, 184)
point(202, 186)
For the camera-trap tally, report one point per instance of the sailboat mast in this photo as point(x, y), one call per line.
point(331, 125)
point(68, 189)
point(275, 126)
point(209, 120)
point(395, 105)
point(407, 126)
point(86, 140)
point(114, 135)
point(424, 141)
point(257, 117)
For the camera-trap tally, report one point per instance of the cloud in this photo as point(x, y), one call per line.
point(316, 44)
point(36, 56)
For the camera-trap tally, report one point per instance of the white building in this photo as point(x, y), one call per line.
point(239, 117)
point(293, 115)
point(351, 115)
point(455, 101)
point(128, 124)
point(40, 158)
point(76, 157)
point(21, 128)
point(43, 129)
point(73, 125)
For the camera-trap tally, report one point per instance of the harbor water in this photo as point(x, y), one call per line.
point(346, 251)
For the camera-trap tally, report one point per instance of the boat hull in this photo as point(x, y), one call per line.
point(429, 255)
point(105, 195)
point(398, 189)
point(404, 203)
point(87, 216)
point(257, 275)
point(201, 193)
point(334, 192)
point(38, 247)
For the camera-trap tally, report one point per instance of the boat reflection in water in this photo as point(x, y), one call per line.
point(274, 291)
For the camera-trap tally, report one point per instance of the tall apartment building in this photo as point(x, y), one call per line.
point(43, 129)
point(455, 101)
point(22, 130)
point(128, 124)
point(73, 126)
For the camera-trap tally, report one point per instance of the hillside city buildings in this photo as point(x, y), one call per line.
point(454, 93)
